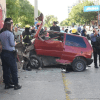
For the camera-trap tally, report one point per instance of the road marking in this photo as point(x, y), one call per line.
point(65, 82)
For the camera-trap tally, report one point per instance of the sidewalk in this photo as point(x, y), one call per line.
point(45, 84)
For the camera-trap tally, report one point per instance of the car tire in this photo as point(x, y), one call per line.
point(79, 65)
point(35, 62)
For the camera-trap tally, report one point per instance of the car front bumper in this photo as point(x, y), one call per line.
point(89, 61)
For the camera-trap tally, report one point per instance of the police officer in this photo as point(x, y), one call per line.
point(96, 49)
point(10, 82)
point(8, 55)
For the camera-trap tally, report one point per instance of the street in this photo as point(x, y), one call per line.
point(53, 84)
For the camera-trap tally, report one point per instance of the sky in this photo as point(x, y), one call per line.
point(58, 8)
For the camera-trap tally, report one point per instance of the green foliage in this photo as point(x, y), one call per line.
point(78, 16)
point(66, 22)
point(21, 11)
point(49, 20)
point(26, 15)
point(13, 9)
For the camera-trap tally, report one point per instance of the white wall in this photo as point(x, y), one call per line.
point(3, 5)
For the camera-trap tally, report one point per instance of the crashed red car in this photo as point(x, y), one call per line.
point(64, 49)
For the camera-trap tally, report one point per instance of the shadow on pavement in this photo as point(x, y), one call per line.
point(67, 68)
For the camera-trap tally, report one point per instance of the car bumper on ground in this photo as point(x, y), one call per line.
point(89, 61)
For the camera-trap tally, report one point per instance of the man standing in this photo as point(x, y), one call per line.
point(84, 33)
point(55, 27)
point(79, 29)
point(27, 36)
point(33, 30)
point(62, 29)
point(96, 49)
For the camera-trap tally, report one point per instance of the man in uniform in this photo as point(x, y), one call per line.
point(27, 35)
point(96, 49)
point(8, 55)
point(27, 41)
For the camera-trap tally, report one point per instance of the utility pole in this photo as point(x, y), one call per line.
point(35, 11)
point(98, 12)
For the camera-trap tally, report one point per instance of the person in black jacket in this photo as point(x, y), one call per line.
point(27, 36)
point(55, 27)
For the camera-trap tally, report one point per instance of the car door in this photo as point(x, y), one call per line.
point(49, 47)
point(73, 46)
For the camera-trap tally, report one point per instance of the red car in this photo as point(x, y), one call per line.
point(63, 49)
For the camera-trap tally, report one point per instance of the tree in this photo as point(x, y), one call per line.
point(66, 22)
point(21, 11)
point(78, 16)
point(13, 8)
point(49, 20)
point(26, 15)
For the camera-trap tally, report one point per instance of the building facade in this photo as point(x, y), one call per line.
point(70, 8)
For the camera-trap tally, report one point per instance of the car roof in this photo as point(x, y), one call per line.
point(57, 32)
point(76, 35)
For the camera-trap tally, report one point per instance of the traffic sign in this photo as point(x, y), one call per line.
point(91, 8)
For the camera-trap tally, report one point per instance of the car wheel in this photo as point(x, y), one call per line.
point(35, 62)
point(79, 65)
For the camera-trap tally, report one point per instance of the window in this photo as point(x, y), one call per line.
point(75, 41)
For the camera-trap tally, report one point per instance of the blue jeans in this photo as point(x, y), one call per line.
point(9, 64)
